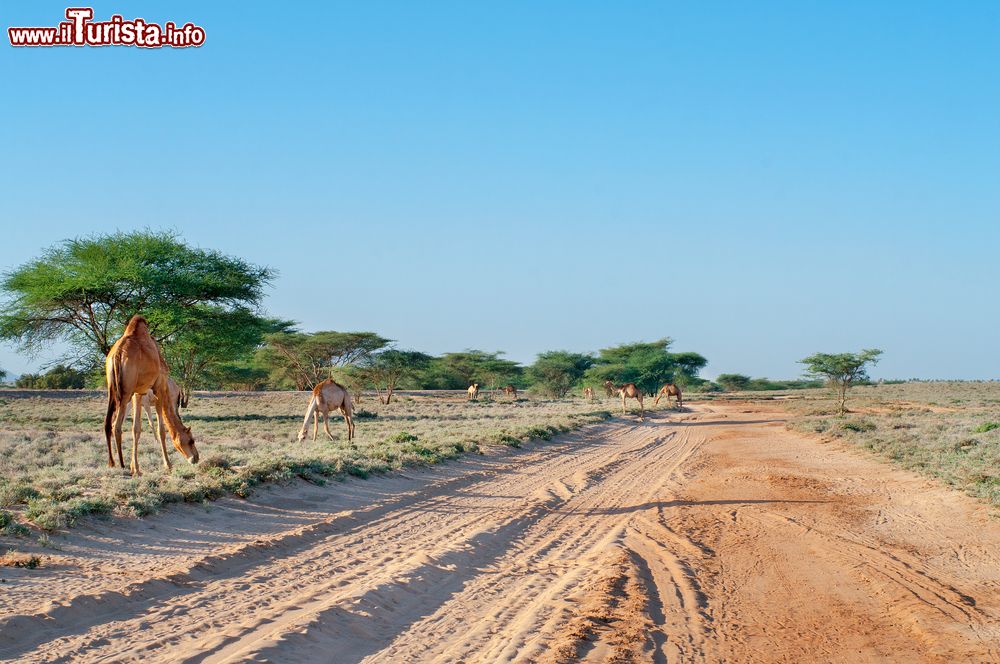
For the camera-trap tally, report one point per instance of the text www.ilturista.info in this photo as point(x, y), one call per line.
point(79, 30)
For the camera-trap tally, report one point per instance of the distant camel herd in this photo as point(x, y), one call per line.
point(138, 376)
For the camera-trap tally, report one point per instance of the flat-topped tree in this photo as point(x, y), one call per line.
point(841, 370)
point(83, 291)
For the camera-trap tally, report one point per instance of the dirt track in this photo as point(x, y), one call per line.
point(710, 535)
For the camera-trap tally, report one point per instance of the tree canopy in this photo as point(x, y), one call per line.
point(386, 369)
point(556, 372)
point(83, 291)
point(841, 370)
point(459, 370)
point(647, 364)
point(732, 382)
point(306, 359)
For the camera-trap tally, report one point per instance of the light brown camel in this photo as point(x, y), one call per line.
point(473, 391)
point(670, 390)
point(149, 402)
point(588, 393)
point(325, 397)
point(609, 389)
point(134, 367)
point(510, 391)
point(630, 391)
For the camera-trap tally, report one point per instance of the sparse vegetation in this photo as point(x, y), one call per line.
point(946, 430)
point(52, 451)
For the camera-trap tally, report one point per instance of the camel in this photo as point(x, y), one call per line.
point(510, 390)
point(134, 367)
point(630, 391)
point(325, 397)
point(609, 388)
point(588, 393)
point(670, 390)
point(473, 391)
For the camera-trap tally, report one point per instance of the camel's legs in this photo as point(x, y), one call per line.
point(136, 429)
point(642, 412)
point(326, 423)
point(623, 403)
point(350, 424)
point(315, 422)
point(161, 433)
point(119, 420)
point(149, 417)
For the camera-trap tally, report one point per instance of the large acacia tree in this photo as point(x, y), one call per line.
point(83, 291)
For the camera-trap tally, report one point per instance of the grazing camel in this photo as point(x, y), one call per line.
point(325, 397)
point(670, 390)
point(149, 402)
point(588, 393)
point(473, 391)
point(609, 388)
point(134, 367)
point(630, 391)
point(510, 391)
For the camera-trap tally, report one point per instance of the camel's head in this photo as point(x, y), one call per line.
point(302, 435)
point(184, 442)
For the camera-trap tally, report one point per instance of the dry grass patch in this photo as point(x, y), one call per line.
point(946, 430)
point(53, 455)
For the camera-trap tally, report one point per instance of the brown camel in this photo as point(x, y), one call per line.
point(325, 397)
point(149, 402)
point(630, 391)
point(670, 390)
point(134, 367)
point(473, 391)
point(609, 389)
point(588, 393)
point(510, 391)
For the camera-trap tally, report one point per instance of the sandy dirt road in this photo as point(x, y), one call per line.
point(709, 535)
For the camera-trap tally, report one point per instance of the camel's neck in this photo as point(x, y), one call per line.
point(170, 417)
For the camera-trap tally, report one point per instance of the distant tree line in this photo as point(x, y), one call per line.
point(204, 310)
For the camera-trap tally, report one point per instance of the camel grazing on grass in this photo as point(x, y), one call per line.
point(134, 367)
point(670, 390)
point(473, 391)
point(609, 389)
point(510, 391)
point(630, 391)
point(588, 393)
point(325, 397)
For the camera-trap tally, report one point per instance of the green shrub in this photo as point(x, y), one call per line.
point(859, 426)
point(402, 437)
point(986, 427)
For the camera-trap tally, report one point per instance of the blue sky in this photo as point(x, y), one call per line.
point(759, 181)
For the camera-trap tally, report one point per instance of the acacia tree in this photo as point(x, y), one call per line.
point(733, 382)
point(556, 372)
point(841, 370)
point(472, 366)
point(385, 370)
point(647, 364)
point(83, 291)
point(306, 359)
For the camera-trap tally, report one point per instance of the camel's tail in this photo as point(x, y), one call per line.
point(116, 389)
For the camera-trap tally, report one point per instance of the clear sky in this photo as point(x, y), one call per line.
point(759, 181)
